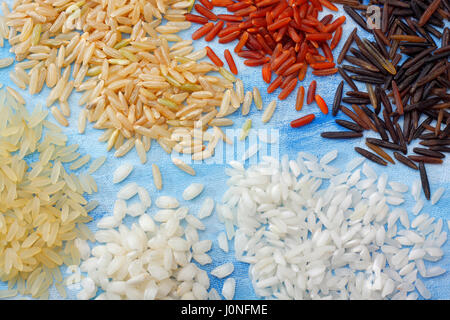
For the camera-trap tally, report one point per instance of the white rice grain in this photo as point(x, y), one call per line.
point(228, 289)
point(223, 270)
point(122, 172)
point(206, 209)
point(251, 151)
point(167, 202)
point(128, 191)
point(437, 195)
point(192, 191)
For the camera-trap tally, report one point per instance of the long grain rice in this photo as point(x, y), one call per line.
point(341, 241)
point(129, 67)
point(157, 178)
point(33, 250)
point(183, 166)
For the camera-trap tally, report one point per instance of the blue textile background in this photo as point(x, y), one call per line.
point(213, 175)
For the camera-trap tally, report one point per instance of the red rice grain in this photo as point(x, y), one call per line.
point(275, 84)
point(311, 92)
point(290, 86)
point(205, 12)
point(214, 31)
point(213, 57)
point(325, 72)
point(302, 121)
point(242, 42)
point(283, 37)
point(300, 98)
point(256, 62)
point(230, 37)
point(321, 103)
point(266, 73)
point(195, 18)
point(207, 4)
point(230, 61)
point(200, 32)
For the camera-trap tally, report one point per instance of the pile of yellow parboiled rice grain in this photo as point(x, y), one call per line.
point(139, 80)
point(43, 209)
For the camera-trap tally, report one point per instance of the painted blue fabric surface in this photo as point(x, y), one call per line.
point(211, 173)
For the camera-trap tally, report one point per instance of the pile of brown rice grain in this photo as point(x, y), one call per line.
point(43, 208)
point(139, 80)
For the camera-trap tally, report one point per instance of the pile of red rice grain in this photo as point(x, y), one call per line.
point(139, 80)
point(43, 205)
point(285, 37)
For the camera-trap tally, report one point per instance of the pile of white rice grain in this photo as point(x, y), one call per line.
point(42, 204)
point(139, 80)
point(142, 256)
point(341, 241)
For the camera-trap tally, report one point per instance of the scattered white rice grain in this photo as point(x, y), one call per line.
point(144, 196)
point(265, 137)
point(119, 209)
point(213, 295)
point(108, 222)
point(136, 209)
point(437, 195)
point(194, 222)
point(327, 158)
point(206, 209)
point(223, 241)
point(415, 189)
point(146, 223)
point(435, 271)
point(418, 207)
point(122, 172)
point(354, 163)
point(394, 200)
point(368, 171)
point(228, 289)
point(424, 292)
point(250, 152)
point(128, 191)
point(167, 202)
point(223, 270)
point(398, 187)
point(192, 191)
